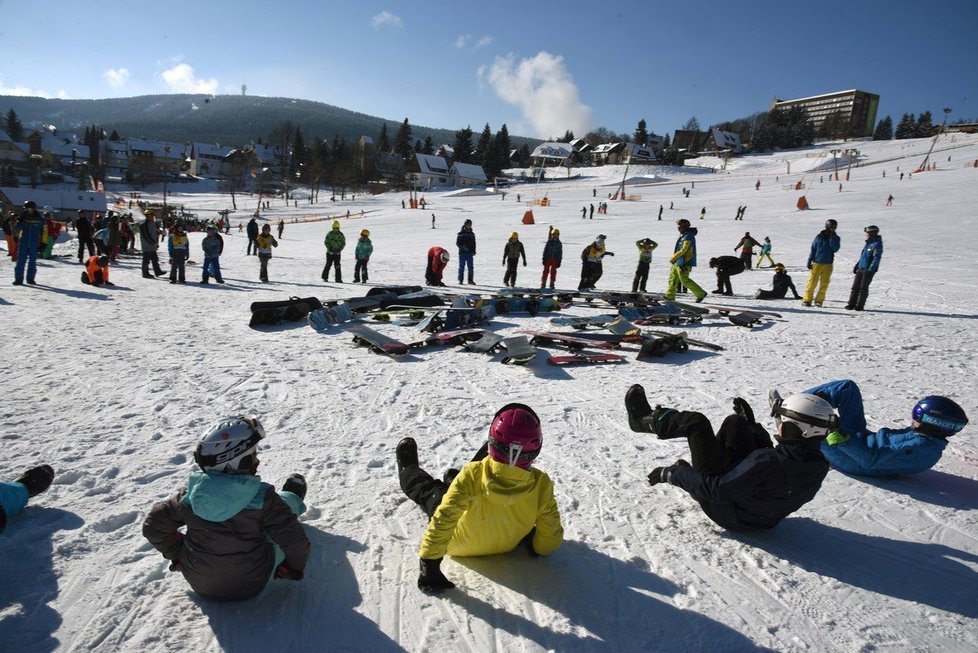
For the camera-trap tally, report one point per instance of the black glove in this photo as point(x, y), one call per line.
point(854, 268)
point(431, 578)
point(287, 572)
point(743, 409)
point(809, 265)
point(609, 253)
point(527, 543)
point(663, 474)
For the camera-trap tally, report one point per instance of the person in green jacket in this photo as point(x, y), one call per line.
point(335, 241)
point(645, 247)
point(494, 504)
point(362, 255)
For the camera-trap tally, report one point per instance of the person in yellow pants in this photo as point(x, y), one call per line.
point(684, 260)
point(820, 260)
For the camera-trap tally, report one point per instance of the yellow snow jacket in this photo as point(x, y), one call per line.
point(489, 508)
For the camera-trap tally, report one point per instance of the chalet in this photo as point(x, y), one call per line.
point(691, 142)
point(467, 174)
point(115, 158)
point(428, 170)
point(608, 153)
point(721, 141)
point(551, 154)
point(208, 160)
point(11, 152)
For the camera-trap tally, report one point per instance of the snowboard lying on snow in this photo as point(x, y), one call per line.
point(288, 310)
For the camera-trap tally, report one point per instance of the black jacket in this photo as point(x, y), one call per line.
point(465, 241)
point(730, 265)
point(84, 228)
point(252, 228)
point(764, 488)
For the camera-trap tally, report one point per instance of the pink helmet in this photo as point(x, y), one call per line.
point(515, 437)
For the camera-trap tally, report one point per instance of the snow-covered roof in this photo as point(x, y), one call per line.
point(607, 148)
point(552, 151)
point(637, 151)
point(159, 149)
point(432, 164)
point(3, 137)
point(469, 171)
point(212, 150)
point(726, 140)
point(59, 148)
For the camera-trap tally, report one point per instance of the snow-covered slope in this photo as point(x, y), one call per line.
point(114, 386)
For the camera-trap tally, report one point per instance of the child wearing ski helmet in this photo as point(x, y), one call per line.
point(492, 505)
point(266, 241)
point(591, 266)
point(512, 251)
point(865, 268)
point(553, 254)
point(335, 241)
point(362, 255)
point(14, 496)
point(645, 247)
point(740, 481)
point(854, 449)
point(765, 252)
point(213, 246)
point(437, 262)
point(178, 247)
point(239, 532)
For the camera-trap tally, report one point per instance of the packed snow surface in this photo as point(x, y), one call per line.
point(114, 386)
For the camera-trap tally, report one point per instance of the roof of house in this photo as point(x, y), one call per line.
point(469, 171)
point(432, 164)
point(552, 151)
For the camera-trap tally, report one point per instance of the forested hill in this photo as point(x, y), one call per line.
point(228, 119)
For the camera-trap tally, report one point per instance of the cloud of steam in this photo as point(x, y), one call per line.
point(181, 79)
point(543, 90)
point(386, 19)
point(116, 77)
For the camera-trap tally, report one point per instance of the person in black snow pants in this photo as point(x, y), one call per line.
point(511, 258)
point(726, 267)
point(782, 284)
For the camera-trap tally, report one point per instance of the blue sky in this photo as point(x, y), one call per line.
point(541, 67)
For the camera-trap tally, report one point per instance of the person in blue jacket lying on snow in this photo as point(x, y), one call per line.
point(887, 452)
point(14, 496)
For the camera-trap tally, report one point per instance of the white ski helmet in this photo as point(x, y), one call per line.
point(230, 447)
point(804, 416)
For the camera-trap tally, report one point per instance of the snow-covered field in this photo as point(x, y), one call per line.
point(114, 386)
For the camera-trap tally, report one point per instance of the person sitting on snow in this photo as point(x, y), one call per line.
point(782, 284)
point(492, 505)
point(14, 496)
point(740, 481)
point(854, 449)
point(239, 532)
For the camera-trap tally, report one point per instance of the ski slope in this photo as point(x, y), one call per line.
point(113, 387)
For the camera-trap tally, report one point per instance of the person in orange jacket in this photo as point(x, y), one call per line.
point(96, 271)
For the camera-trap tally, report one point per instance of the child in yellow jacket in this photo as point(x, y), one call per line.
point(494, 504)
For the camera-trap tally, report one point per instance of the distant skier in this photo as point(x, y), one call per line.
point(683, 261)
point(14, 495)
point(553, 254)
point(782, 284)
point(726, 267)
point(465, 241)
point(660, 211)
point(334, 241)
point(740, 481)
point(591, 212)
point(889, 201)
point(512, 252)
point(584, 213)
point(854, 449)
point(746, 247)
point(865, 269)
point(437, 262)
point(362, 255)
point(213, 246)
point(239, 532)
point(645, 247)
point(820, 260)
point(281, 227)
point(703, 213)
point(494, 504)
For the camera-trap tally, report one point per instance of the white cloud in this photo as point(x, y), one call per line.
point(465, 39)
point(23, 91)
point(386, 19)
point(116, 77)
point(543, 90)
point(182, 79)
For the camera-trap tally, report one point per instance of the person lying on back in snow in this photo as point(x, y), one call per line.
point(854, 449)
point(239, 531)
point(740, 481)
point(494, 504)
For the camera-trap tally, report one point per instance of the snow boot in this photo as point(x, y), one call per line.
point(449, 475)
point(407, 454)
point(296, 484)
point(638, 408)
point(37, 479)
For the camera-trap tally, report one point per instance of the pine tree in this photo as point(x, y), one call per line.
point(482, 147)
point(497, 158)
point(13, 127)
point(114, 136)
point(692, 124)
point(402, 141)
point(568, 137)
point(884, 130)
point(906, 127)
point(299, 155)
point(641, 136)
point(383, 140)
point(523, 155)
point(463, 145)
point(666, 143)
point(417, 146)
point(924, 126)
point(429, 146)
